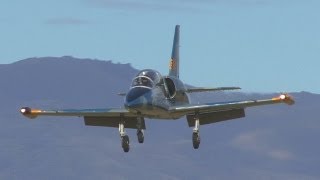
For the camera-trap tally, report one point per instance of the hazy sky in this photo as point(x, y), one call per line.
point(260, 45)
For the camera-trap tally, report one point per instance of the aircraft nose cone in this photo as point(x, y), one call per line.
point(137, 96)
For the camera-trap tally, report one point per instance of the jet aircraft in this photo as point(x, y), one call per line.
point(153, 96)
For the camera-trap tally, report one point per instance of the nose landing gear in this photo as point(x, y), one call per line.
point(140, 135)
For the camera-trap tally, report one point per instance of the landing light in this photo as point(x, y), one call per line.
point(282, 96)
point(23, 110)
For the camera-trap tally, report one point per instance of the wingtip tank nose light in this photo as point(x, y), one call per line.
point(287, 99)
point(25, 110)
point(282, 97)
point(28, 112)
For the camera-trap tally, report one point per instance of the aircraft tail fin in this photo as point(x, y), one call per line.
point(174, 61)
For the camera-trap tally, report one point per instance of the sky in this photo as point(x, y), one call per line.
point(259, 45)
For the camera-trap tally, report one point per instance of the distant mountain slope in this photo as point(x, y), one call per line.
point(272, 142)
point(66, 80)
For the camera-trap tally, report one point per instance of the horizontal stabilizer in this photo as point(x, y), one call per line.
point(122, 94)
point(202, 89)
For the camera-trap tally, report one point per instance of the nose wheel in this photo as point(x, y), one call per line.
point(140, 135)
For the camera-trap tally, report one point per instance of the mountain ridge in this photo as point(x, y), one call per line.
point(71, 59)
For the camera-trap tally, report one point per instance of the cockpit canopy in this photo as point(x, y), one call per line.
point(148, 78)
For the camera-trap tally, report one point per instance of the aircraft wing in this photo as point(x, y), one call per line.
point(204, 89)
point(215, 112)
point(92, 117)
point(33, 113)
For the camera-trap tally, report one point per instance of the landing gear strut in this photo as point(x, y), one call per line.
point(195, 134)
point(125, 142)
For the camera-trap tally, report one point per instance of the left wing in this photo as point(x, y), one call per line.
point(204, 89)
point(92, 117)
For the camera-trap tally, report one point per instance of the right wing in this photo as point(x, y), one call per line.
point(212, 107)
point(215, 112)
point(111, 112)
point(92, 117)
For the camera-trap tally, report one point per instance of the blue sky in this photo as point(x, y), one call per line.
point(259, 45)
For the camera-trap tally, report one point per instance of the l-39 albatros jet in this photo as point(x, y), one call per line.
point(154, 96)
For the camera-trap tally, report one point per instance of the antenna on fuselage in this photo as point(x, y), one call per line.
point(174, 61)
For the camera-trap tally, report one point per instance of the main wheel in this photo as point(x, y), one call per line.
point(195, 140)
point(125, 143)
point(140, 136)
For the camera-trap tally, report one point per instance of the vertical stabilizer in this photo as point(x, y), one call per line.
point(174, 61)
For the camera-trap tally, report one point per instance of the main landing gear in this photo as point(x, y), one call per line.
point(195, 134)
point(125, 141)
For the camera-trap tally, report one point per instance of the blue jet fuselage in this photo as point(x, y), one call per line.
point(151, 95)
